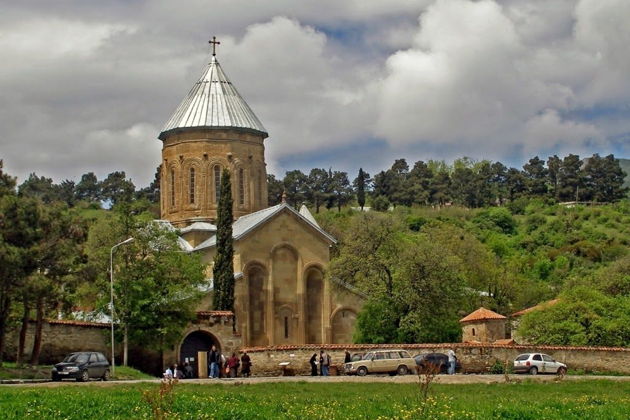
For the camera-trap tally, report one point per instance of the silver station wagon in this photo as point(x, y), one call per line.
point(535, 363)
point(382, 361)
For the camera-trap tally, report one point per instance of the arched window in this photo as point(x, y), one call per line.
point(217, 183)
point(172, 187)
point(241, 186)
point(191, 186)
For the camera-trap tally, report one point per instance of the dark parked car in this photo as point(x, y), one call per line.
point(439, 360)
point(82, 366)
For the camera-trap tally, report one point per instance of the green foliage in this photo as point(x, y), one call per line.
point(569, 400)
point(582, 317)
point(223, 270)
point(380, 203)
point(498, 219)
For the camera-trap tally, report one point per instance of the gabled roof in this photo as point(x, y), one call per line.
point(534, 308)
point(213, 103)
point(304, 211)
point(482, 314)
point(246, 224)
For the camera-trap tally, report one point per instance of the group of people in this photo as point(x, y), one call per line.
point(219, 366)
point(177, 372)
point(324, 361)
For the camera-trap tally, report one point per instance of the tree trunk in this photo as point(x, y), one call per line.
point(37, 341)
point(125, 345)
point(23, 329)
point(5, 303)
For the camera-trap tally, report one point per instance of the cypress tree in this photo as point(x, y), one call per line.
point(361, 188)
point(223, 270)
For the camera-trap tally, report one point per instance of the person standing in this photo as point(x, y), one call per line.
point(232, 365)
point(168, 374)
point(246, 364)
point(348, 357)
point(452, 360)
point(188, 370)
point(325, 361)
point(214, 359)
point(313, 363)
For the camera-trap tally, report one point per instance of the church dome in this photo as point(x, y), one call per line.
point(213, 103)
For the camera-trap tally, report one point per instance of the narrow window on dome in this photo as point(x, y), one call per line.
point(191, 190)
point(217, 183)
point(286, 327)
point(241, 187)
point(172, 187)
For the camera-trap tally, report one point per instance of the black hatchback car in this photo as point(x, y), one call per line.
point(438, 360)
point(82, 366)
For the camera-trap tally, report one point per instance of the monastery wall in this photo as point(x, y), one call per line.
point(475, 358)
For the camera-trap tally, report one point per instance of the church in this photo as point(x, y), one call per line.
point(282, 295)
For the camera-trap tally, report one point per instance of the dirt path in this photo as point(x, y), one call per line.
point(441, 379)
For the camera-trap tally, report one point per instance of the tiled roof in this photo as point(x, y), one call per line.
point(481, 314)
point(245, 224)
point(213, 102)
point(429, 346)
point(505, 341)
point(214, 313)
point(534, 308)
point(78, 323)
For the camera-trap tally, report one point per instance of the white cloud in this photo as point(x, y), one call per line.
point(87, 88)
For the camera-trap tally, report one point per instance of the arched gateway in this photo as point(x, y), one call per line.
point(195, 342)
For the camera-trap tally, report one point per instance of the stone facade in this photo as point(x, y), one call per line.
point(283, 296)
point(484, 331)
point(475, 358)
point(192, 161)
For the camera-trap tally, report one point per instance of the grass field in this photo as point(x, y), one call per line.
point(566, 400)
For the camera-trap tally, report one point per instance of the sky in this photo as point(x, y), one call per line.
point(87, 85)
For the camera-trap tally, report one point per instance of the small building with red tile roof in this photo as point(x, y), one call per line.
point(483, 326)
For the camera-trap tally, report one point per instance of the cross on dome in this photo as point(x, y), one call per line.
point(214, 43)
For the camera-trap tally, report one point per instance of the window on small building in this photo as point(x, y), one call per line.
point(241, 186)
point(173, 187)
point(286, 327)
point(473, 331)
point(217, 183)
point(191, 189)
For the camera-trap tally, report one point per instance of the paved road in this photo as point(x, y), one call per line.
point(441, 379)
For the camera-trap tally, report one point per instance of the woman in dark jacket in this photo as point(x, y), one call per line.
point(313, 363)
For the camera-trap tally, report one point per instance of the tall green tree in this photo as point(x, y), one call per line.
point(340, 189)
point(295, 186)
point(223, 270)
point(317, 187)
point(88, 188)
point(275, 188)
point(570, 178)
point(536, 177)
point(117, 188)
point(19, 232)
point(360, 185)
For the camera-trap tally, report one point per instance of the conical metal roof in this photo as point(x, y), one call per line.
point(214, 103)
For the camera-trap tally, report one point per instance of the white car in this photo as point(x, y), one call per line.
point(535, 363)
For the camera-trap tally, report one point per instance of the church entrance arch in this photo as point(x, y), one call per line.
point(314, 302)
point(195, 342)
point(343, 322)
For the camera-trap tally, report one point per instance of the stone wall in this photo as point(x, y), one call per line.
point(475, 358)
point(60, 338)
